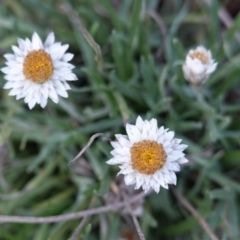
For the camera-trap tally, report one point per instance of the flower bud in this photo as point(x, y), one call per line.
point(198, 66)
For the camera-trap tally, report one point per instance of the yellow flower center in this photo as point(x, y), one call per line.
point(38, 66)
point(147, 156)
point(200, 55)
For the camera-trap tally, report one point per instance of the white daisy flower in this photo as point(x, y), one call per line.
point(198, 65)
point(148, 156)
point(38, 71)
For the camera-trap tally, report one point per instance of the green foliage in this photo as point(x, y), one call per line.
point(142, 76)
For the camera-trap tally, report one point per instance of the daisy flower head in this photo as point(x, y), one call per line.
point(148, 156)
point(37, 71)
point(198, 66)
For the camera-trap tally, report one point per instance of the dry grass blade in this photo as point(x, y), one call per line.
point(159, 21)
point(135, 221)
point(81, 225)
point(79, 229)
point(195, 213)
point(87, 146)
point(225, 17)
point(70, 216)
point(77, 21)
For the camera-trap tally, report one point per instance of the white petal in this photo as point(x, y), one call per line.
point(67, 57)
point(62, 50)
point(153, 123)
point(36, 42)
point(70, 77)
point(50, 40)
point(66, 85)
point(145, 187)
point(53, 50)
point(139, 123)
point(147, 126)
point(169, 136)
point(32, 103)
point(18, 77)
point(211, 68)
point(21, 43)
point(173, 178)
point(61, 92)
point(14, 92)
point(180, 147)
point(173, 166)
point(123, 140)
point(28, 98)
point(53, 95)
point(182, 160)
point(155, 186)
point(9, 56)
point(172, 158)
point(126, 170)
point(8, 85)
point(139, 181)
point(5, 70)
point(44, 89)
point(115, 144)
point(116, 160)
point(124, 151)
point(144, 133)
point(28, 45)
point(43, 102)
point(153, 134)
point(176, 153)
point(133, 132)
point(19, 96)
point(129, 179)
point(17, 51)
